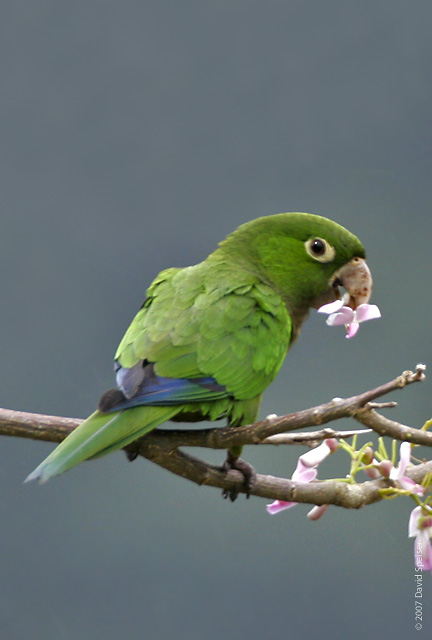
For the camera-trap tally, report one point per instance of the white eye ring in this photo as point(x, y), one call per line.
point(320, 250)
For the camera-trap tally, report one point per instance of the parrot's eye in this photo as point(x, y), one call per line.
point(320, 249)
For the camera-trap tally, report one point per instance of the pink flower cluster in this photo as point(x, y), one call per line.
point(306, 471)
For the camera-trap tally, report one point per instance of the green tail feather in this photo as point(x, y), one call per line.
point(100, 434)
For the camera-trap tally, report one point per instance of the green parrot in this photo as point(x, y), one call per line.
point(210, 338)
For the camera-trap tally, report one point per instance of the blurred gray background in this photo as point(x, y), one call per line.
point(134, 136)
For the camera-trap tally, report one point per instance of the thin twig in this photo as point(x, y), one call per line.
point(386, 427)
point(313, 437)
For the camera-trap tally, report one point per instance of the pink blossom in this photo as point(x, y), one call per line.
point(398, 473)
point(386, 469)
point(420, 526)
point(305, 472)
point(340, 314)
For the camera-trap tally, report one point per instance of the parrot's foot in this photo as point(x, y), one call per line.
point(131, 455)
point(247, 470)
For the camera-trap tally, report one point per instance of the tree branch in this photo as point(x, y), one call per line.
point(162, 445)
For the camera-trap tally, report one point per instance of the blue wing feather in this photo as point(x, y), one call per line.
point(140, 386)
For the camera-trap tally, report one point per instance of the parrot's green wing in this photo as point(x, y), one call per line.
point(207, 320)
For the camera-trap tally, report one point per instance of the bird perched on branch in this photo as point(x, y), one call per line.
point(210, 338)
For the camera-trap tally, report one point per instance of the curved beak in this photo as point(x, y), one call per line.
point(356, 278)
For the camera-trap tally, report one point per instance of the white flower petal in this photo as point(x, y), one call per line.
point(315, 456)
point(409, 485)
point(303, 473)
point(367, 312)
point(404, 458)
point(279, 505)
point(426, 553)
point(413, 529)
point(317, 511)
point(331, 307)
point(344, 316)
point(352, 329)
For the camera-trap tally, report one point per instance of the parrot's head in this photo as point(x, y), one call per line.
point(306, 258)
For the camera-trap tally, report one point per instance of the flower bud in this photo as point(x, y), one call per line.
point(368, 455)
point(385, 467)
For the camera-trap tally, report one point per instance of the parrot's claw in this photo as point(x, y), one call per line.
point(247, 471)
point(131, 453)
